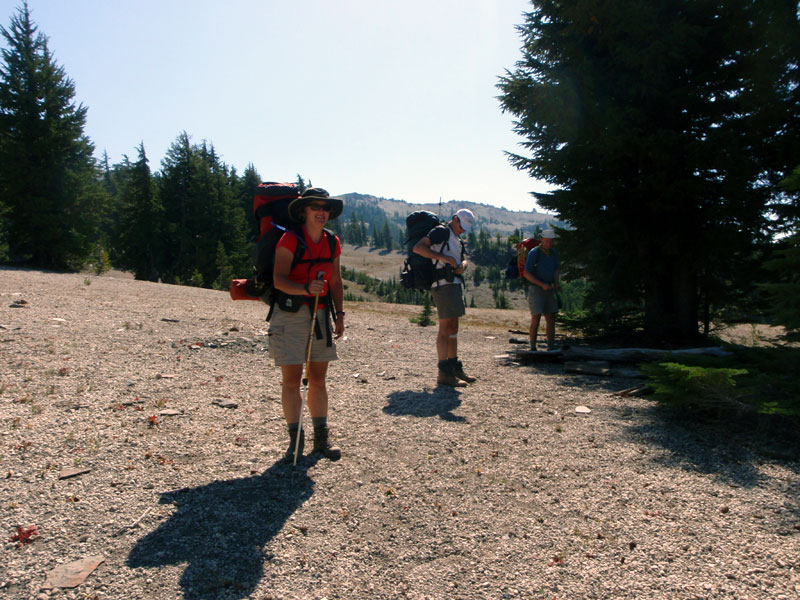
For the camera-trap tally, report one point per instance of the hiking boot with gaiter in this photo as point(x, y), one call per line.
point(458, 371)
point(322, 444)
point(289, 456)
point(447, 375)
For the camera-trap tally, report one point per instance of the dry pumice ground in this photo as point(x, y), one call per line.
point(164, 400)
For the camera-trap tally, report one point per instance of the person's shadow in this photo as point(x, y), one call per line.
point(441, 402)
point(220, 529)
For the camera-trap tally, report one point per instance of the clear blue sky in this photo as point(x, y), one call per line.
point(394, 98)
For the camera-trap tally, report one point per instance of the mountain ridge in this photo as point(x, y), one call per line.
point(496, 220)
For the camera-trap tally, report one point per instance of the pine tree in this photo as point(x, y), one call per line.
point(245, 189)
point(784, 289)
point(386, 236)
point(139, 237)
point(663, 127)
point(200, 210)
point(426, 316)
point(47, 173)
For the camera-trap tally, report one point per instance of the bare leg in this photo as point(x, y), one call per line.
point(534, 330)
point(446, 339)
point(550, 328)
point(290, 392)
point(317, 390)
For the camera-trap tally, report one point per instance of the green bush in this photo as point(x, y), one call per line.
point(425, 318)
point(696, 388)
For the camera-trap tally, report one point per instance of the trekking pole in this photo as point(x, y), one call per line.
point(320, 275)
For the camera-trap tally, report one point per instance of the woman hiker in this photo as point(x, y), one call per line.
point(289, 334)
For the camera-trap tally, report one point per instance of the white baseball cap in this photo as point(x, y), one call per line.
point(466, 218)
point(548, 234)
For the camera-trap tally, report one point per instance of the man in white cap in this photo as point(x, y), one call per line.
point(542, 270)
point(444, 247)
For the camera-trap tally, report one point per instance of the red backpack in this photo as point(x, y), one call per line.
point(271, 205)
point(271, 212)
point(516, 266)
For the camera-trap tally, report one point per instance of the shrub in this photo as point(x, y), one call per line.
point(696, 389)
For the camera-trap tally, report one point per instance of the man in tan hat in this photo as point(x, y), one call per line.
point(542, 270)
point(444, 247)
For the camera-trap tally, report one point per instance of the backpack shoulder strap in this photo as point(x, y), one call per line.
point(300, 249)
point(331, 241)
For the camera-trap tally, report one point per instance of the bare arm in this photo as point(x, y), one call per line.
point(423, 248)
point(529, 276)
point(280, 277)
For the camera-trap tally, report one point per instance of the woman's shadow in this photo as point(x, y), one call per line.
point(441, 402)
point(221, 529)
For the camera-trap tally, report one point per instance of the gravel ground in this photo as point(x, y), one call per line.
point(498, 490)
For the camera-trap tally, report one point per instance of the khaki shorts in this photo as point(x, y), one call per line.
point(542, 302)
point(448, 301)
point(288, 338)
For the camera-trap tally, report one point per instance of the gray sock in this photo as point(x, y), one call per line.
point(319, 422)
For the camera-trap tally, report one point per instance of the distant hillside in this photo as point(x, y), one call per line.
point(495, 220)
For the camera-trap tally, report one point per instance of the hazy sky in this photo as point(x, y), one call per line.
point(394, 98)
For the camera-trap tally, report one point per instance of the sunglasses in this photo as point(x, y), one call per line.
point(316, 206)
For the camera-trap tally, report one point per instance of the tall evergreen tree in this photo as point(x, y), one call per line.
point(386, 236)
point(662, 126)
point(139, 238)
point(245, 190)
point(200, 210)
point(47, 173)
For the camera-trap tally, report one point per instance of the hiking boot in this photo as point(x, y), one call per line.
point(447, 375)
point(458, 371)
point(322, 444)
point(289, 456)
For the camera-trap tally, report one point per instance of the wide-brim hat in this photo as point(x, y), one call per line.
point(548, 234)
point(298, 205)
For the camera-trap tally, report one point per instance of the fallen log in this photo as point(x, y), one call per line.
point(532, 356)
point(636, 354)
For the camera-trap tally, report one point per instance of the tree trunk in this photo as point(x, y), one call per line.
point(671, 302)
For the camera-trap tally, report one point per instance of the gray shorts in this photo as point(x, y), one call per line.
point(542, 302)
point(288, 338)
point(449, 301)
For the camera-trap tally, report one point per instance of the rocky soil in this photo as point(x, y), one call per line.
point(140, 428)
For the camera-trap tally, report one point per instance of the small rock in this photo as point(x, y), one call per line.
point(72, 574)
point(71, 472)
point(224, 403)
point(583, 410)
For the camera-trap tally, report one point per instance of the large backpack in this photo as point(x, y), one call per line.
point(516, 266)
point(271, 212)
point(418, 271)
